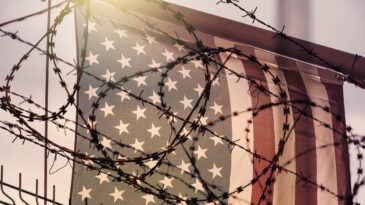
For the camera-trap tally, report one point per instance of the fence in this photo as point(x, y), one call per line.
point(21, 191)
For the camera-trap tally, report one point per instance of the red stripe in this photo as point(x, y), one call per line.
point(263, 133)
point(335, 96)
point(306, 164)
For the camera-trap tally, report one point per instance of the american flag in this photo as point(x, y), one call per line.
point(130, 128)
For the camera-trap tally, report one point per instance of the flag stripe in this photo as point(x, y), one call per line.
point(263, 131)
point(284, 187)
point(326, 161)
point(335, 93)
point(241, 161)
point(306, 164)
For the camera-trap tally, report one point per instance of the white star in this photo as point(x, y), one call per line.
point(92, 26)
point(179, 47)
point(134, 174)
point(139, 49)
point(85, 193)
point(171, 84)
point(106, 143)
point(199, 89)
point(185, 132)
point(120, 162)
point(215, 81)
point(184, 167)
point(186, 102)
point(200, 152)
point(214, 202)
point(108, 76)
point(102, 177)
point(91, 123)
point(121, 33)
point(150, 164)
point(117, 194)
point(141, 80)
point(215, 171)
point(124, 61)
point(154, 64)
point(139, 112)
point(168, 55)
point(149, 198)
point(137, 145)
point(107, 109)
point(197, 63)
point(183, 198)
point(171, 118)
point(217, 108)
point(198, 186)
point(91, 92)
point(166, 148)
point(155, 98)
point(92, 58)
point(108, 44)
point(166, 182)
point(122, 127)
point(150, 39)
point(88, 161)
point(124, 95)
point(154, 131)
point(217, 140)
point(184, 72)
point(203, 120)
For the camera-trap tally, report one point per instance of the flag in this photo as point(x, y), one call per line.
point(232, 141)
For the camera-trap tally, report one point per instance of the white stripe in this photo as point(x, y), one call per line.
point(284, 187)
point(241, 161)
point(326, 159)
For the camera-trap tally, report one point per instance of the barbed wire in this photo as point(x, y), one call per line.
point(283, 35)
point(112, 159)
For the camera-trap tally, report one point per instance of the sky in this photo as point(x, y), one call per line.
point(332, 23)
